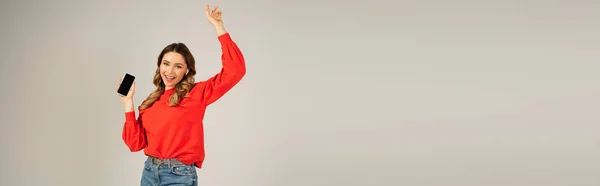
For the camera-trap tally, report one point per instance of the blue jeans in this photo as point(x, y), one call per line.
point(168, 173)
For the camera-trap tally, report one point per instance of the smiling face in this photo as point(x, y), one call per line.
point(172, 69)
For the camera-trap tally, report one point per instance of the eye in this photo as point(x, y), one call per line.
point(179, 67)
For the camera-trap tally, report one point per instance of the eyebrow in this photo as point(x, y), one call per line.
point(164, 60)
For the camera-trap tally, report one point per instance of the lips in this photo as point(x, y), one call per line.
point(169, 79)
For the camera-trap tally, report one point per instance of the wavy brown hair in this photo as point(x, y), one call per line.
point(183, 87)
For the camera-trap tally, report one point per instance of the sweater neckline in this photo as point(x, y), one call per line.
point(169, 91)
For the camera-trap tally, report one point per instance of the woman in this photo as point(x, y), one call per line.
point(169, 127)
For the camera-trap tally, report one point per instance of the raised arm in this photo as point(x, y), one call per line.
point(133, 133)
point(233, 63)
point(231, 73)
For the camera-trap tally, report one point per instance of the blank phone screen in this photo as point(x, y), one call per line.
point(126, 84)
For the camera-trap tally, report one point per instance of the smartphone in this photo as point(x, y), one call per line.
point(126, 84)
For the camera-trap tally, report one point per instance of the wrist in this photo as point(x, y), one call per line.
point(129, 107)
point(220, 29)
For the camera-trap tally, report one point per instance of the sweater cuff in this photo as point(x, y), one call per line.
point(130, 116)
point(225, 38)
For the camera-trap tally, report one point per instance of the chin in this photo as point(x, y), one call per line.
point(169, 83)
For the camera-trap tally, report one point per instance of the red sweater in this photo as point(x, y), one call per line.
point(177, 132)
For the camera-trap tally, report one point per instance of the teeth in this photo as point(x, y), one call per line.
point(170, 77)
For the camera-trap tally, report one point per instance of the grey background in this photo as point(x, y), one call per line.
point(337, 92)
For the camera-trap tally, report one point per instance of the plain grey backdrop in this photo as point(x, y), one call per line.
point(349, 93)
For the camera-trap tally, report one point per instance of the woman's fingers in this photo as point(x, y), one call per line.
point(131, 90)
point(215, 9)
point(118, 85)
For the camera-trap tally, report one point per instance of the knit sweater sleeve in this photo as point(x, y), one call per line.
point(232, 71)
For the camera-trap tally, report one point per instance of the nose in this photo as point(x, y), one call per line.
point(170, 70)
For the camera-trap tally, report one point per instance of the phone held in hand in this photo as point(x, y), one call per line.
point(126, 84)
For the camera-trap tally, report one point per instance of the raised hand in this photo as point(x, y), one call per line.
point(214, 16)
point(127, 100)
